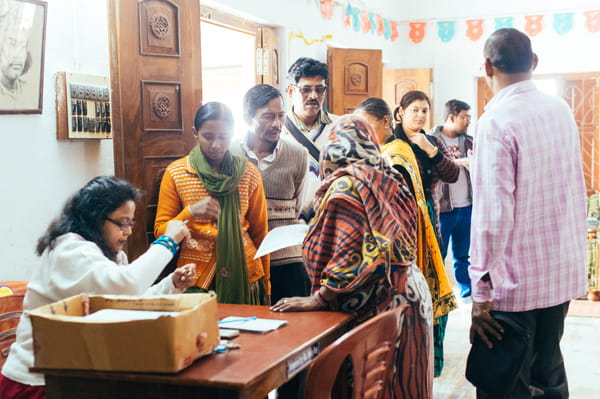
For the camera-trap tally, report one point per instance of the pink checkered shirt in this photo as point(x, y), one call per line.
point(528, 226)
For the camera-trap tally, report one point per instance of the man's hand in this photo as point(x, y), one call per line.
point(483, 324)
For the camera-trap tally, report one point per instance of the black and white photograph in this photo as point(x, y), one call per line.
point(22, 31)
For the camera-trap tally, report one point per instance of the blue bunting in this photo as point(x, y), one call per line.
point(504, 22)
point(563, 23)
point(446, 30)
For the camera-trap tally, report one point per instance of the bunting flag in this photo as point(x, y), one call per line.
point(365, 21)
point(446, 30)
point(379, 24)
point(417, 31)
point(394, 29)
point(533, 24)
point(369, 22)
point(327, 9)
point(592, 20)
point(563, 23)
point(474, 29)
point(504, 22)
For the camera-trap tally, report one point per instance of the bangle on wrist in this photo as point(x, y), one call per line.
point(433, 152)
point(167, 242)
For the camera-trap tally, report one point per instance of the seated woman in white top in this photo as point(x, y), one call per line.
point(82, 252)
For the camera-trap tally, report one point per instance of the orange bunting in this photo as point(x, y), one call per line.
point(327, 9)
point(379, 24)
point(417, 31)
point(365, 21)
point(394, 29)
point(592, 20)
point(533, 24)
point(474, 29)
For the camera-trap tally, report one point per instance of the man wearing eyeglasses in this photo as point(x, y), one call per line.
point(307, 122)
point(455, 199)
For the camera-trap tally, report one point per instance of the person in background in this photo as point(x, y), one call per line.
point(283, 166)
point(307, 122)
point(528, 257)
point(222, 196)
point(377, 112)
point(82, 251)
point(455, 199)
point(361, 247)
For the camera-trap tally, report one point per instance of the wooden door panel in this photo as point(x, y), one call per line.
point(397, 82)
point(156, 88)
point(582, 93)
point(354, 75)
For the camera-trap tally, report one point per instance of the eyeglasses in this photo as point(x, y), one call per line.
point(306, 90)
point(122, 225)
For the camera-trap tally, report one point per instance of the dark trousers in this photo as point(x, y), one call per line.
point(286, 281)
point(289, 280)
point(456, 225)
point(543, 374)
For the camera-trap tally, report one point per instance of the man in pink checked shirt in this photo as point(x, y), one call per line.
point(528, 228)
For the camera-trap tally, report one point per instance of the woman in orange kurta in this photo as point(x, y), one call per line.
point(222, 197)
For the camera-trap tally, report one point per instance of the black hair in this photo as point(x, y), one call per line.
point(86, 211)
point(306, 68)
point(509, 50)
point(257, 97)
point(213, 111)
point(407, 99)
point(454, 107)
point(377, 107)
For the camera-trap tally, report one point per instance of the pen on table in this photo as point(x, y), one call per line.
point(238, 320)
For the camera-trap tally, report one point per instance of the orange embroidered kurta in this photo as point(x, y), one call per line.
point(181, 187)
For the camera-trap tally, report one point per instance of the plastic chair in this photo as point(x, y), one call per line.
point(12, 294)
point(371, 347)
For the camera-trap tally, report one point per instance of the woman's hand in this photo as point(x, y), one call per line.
point(206, 208)
point(297, 304)
point(421, 141)
point(177, 230)
point(184, 276)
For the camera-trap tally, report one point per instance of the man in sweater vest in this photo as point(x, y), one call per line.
point(307, 123)
point(283, 166)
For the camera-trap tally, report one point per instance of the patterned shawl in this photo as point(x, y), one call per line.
point(366, 216)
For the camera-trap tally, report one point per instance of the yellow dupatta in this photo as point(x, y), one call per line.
point(429, 257)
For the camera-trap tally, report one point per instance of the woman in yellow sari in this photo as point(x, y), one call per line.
point(429, 258)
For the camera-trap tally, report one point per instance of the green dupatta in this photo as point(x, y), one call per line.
point(231, 277)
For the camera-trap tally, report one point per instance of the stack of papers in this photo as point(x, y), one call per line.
point(251, 324)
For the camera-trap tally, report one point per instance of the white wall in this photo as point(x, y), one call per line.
point(39, 172)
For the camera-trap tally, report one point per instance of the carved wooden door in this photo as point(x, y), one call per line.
point(156, 89)
point(582, 92)
point(397, 82)
point(354, 75)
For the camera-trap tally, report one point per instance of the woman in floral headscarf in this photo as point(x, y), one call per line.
point(361, 248)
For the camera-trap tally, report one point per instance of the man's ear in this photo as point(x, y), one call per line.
point(247, 119)
point(290, 90)
point(451, 118)
point(488, 68)
point(534, 61)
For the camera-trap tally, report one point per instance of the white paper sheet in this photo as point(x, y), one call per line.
point(282, 237)
point(251, 324)
point(114, 315)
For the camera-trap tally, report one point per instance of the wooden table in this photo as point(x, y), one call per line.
point(263, 363)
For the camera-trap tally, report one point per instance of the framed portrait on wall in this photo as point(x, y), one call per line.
point(22, 42)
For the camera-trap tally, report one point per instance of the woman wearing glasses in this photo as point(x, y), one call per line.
point(222, 196)
point(82, 251)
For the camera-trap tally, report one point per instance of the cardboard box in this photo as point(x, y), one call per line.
point(63, 339)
